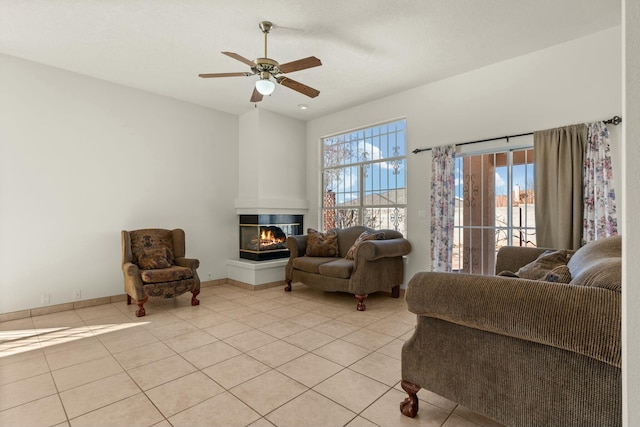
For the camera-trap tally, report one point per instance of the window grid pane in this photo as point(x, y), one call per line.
point(364, 178)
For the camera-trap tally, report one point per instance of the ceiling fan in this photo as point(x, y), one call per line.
point(269, 71)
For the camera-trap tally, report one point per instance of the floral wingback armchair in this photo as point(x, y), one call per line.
point(154, 265)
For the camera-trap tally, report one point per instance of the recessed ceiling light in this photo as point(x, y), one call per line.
point(303, 106)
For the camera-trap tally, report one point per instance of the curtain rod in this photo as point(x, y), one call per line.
point(615, 120)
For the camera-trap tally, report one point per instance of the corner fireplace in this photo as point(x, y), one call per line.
point(262, 237)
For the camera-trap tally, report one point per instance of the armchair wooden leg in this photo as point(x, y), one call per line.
point(287, 287)
point(361, 306)
point(395, 291)
point(140, 312)
point(128, 299)
point(194, 300)
point(409, 406)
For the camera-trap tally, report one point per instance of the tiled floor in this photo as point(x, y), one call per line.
point(241, 358)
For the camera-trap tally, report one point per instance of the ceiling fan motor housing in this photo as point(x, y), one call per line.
point(266, 65)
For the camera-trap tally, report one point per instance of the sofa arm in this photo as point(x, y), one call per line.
point(585, 320)
point(371, 250)
point(297, 245)
point(187, 262)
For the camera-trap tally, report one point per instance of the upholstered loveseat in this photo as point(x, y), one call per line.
point(523, 352)
point(376, 261)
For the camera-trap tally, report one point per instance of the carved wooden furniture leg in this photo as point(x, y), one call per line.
point(361, 306)
point(409, 406)
point(395, 291)
point(128, 299)
point(194, 300)
point(140, 312)
point(287, 287)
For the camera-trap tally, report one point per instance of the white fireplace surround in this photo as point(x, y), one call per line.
point(264, 206)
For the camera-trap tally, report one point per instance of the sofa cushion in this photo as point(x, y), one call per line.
point(166, 274)
point(560, 274)
point(546, 262)
point(602, 273)
point(310, 264)
point(366, 235)
point(340, 268)
point(322, 244)
point(593, 251)
point(151, 259)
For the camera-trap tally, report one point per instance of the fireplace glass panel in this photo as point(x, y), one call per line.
point(263, 237)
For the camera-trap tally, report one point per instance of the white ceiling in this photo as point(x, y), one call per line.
point(369, 48)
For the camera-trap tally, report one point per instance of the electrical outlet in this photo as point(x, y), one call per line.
point(45, 299)
point(76, 294)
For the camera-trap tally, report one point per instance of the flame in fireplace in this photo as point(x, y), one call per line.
point(268, 238)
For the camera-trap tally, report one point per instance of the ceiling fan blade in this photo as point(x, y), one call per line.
point(240, 58)
point(299, 87)
point(255, 96)
point(300, 64)
point(240, 74)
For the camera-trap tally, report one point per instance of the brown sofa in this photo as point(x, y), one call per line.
point(377, 265)
point(523, 352)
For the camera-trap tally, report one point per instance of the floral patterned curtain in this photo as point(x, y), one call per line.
point(442, 206)
point(600, 217)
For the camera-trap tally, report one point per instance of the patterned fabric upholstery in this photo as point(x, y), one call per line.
point(144, 240)
point(170, 274)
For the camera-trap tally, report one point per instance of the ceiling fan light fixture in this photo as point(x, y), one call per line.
point(265, 86)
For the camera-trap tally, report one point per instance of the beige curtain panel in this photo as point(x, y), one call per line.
point(558, 158)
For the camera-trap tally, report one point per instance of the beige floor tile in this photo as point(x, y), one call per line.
point(276, 353)
point(211, 319)
point(309, 319)
point(250, 340)
point(68, 319)
point(210, 354)
point(86, 398)
point(172, 329)
point(262, 422)
point(282, 328)
point(85, 372)
point(10, 359)
point(136, 410)
point(97, 312)
point(183, 393)
point(250, 300)
point(239, 312)
point(74, 354)
point(390, 327)
point(310, 369)
point(16, 325)
point(126, 339)
point(221, 410)
point(25, 391)
point(236, 370)
point(382, 368)
point(42, 412)
point(432, 398)
point(265, 305)
point(393, 349)
point(25, 367)
point(259, 319)
point(358, 318)
point(318, 412)
point(189, 341)
point(351, 389)
point(336, 328)
point(342, 352)
point(361, 422)
point(368, 339)
point(228, 329)
point(285, 311)
point(309, 339)
point(160, 372)
point(268, 391)
point(191, 312)
point(143, 355)
point(386, 412)
point(221, 306)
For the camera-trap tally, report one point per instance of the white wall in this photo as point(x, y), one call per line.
point(82, 159)
point(545, 89)
point(631, 243)
point(271, 164)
